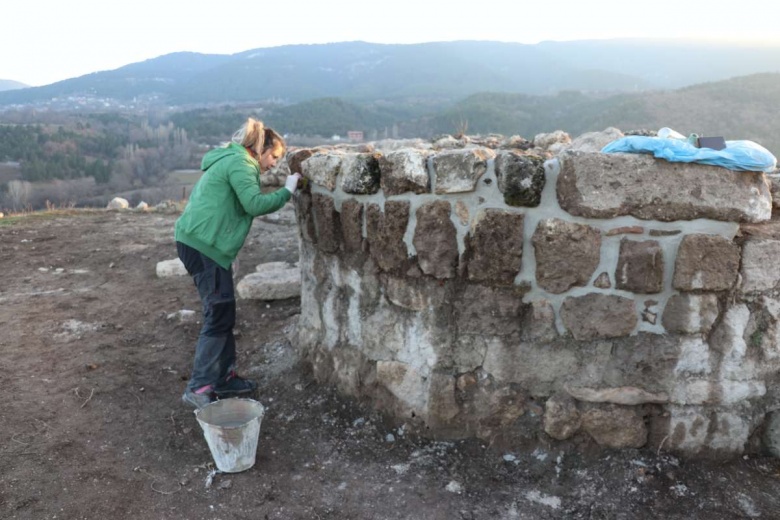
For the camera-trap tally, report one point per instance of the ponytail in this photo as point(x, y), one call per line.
point(251, 135)
point(258, 138)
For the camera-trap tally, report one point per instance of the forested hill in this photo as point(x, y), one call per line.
point(738, 108)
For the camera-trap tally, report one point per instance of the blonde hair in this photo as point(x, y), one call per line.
point(254, 135)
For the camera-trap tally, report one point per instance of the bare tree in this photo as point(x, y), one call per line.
point(19, 193)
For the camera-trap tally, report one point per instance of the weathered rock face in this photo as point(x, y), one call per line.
point(640, 267)
point(435, 241)
point(360, 174)
point(385, 234)
point(615, 290)
point(459, 170)
point(404, 171)
point(710, 263)
point(567, 254)
point(495, 247)
point(520, 178)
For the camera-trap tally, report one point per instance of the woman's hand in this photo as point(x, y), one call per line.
point(292, 182)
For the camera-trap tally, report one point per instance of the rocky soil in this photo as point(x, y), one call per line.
point(94, 355)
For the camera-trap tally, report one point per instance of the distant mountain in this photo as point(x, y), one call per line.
point(442, 71)
point(7, 84)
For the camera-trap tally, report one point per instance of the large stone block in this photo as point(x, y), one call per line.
point(403, 171)
point(272, 281)
point(625, 395)
point(707, 262)
point(760, 266)
point(435, 240)
point(561, 417)
point(738, 360)
point(690, 314)
point(459, 171)
point(323, 168)
point(352, 226)
point(360, 173)
point(567, 254)
point(304, 214)
point(385, 234)
point(406, 383)
point(538, 325)
point(416, 294)
point(295, 158)
point(615, 427)
point(540, 369)
point(494, 247)
point(640, 267)
point(595, 316)
point(520, 178)
point(327, 223)
point(609, 185)
point(645, 360)
point(491, 311)
point(692, 430)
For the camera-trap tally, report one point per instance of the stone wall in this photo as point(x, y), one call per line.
point(475, 288)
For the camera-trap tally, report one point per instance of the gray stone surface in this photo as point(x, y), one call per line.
point(435, 240)
point(595, 316)
point(707, 262)
point(494, 247)
point(567, 254)
point(323, 168)
point(520, 178)
point(404, 171)
point(385, 234)
point(609, 185)
point(360, 174)
point(690, 314)
point(760, 265)
point(640, 267)
point(458, 171)
point(561, 417)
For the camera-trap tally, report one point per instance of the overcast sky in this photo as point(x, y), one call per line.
point(45, 41)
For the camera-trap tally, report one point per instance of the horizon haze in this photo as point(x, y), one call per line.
point(76, 38)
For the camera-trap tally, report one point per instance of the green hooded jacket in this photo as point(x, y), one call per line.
point(223, 204)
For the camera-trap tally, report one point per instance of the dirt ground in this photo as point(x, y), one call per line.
point(94, 358)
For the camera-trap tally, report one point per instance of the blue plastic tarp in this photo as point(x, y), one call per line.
point(738, 155)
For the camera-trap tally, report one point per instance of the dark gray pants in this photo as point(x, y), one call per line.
point(215, 351)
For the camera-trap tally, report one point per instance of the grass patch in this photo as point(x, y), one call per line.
point(184, 176)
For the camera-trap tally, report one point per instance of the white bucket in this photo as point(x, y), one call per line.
point(232, 429)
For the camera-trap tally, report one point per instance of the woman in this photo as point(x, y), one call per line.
point(209, 234)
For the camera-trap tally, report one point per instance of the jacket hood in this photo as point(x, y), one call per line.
point(217, 154)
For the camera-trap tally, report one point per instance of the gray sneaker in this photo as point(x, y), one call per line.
point(196, 400)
